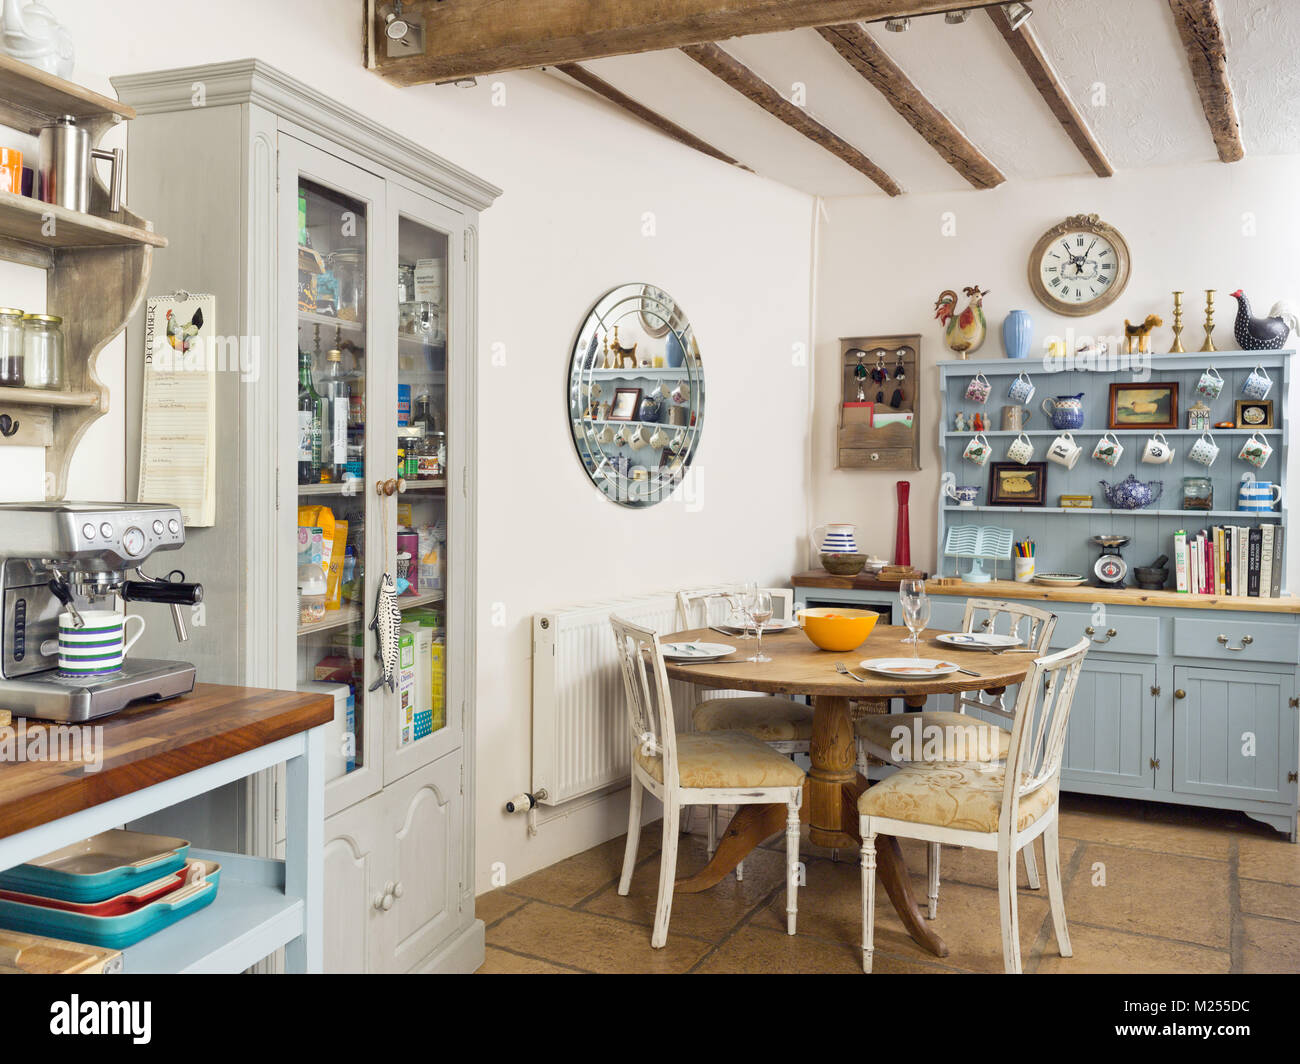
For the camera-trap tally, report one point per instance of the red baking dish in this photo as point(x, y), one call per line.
point(121, 905)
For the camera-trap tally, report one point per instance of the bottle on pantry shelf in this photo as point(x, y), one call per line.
point(310, 409)
point(336, 394)
point(11, 347)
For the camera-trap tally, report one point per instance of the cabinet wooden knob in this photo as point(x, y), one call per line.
point(386, 487)
point(1180, 694)
point(398, 889)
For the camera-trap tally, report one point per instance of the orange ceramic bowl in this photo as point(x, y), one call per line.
point(837, 629)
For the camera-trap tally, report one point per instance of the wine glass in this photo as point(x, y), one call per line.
point(744, 595)
point(915, 605)
point(761, 612)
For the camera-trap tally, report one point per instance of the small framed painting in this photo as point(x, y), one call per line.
point(625, 405)
point(1144, 406)
point(1013, 484)
point(1254, 414)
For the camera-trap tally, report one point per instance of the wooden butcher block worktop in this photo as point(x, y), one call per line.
point(152, 742)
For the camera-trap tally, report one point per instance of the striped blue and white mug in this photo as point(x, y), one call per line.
point(99, 646)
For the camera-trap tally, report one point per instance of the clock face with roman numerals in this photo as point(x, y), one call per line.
point(1079, 266)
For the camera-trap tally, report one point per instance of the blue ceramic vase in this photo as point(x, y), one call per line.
point(675, 352)
point(1017, 331)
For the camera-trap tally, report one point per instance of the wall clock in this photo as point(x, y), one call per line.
point(1079, 266)
point(658, 311)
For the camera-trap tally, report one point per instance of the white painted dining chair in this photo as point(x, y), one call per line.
point(877, 734)
point(784, 724)
point(720, 768)
point(998, 806)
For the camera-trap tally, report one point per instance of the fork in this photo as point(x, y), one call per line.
point(843, 669)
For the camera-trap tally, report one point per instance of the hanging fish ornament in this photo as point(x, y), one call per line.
point(386, 624)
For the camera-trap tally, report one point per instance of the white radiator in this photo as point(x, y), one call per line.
point(581, 740)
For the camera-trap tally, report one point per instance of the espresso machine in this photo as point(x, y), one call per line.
point(63, 557)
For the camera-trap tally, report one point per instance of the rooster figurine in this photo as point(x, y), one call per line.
point(964, 332)
point(1263, 334)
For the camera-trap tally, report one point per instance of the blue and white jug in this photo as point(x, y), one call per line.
point(1258, 496)
point(836, 539)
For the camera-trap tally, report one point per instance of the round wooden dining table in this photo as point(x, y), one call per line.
point(830, 802)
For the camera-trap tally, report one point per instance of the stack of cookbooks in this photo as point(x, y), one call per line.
point(1234, 560)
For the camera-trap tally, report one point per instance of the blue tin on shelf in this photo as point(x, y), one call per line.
point(1017, 331)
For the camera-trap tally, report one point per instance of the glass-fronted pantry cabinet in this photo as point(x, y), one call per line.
point(345, 256)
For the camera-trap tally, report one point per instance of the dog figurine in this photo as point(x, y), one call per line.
point(1142, 333)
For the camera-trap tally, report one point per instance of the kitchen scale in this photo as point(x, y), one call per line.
point(1110, 569)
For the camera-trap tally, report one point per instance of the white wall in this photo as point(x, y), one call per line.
point(579, 179)
point(884, 262)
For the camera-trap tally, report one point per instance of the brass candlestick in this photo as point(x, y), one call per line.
point(1209, 321)
point(1178, 324)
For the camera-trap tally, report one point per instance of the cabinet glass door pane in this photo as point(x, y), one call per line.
point(333, 253)
point(423, 328)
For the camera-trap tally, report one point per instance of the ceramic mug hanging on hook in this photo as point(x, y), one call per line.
point(1157, 451)
point(1256, 450)
point(1021, 450)
point(1204, 450)
point(1210, 384)
point(1258, 384)
point(977, 450)
point(1021, 389)
point(1108, 449)
point(977, 391)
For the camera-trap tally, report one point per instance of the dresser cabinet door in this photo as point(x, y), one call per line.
point(1112, 732)
point(425, 823)
point(356, 867)
point(1235, 734)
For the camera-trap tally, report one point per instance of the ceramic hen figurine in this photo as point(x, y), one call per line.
point(31, 33)
point(1263, 334)
point(964, 332)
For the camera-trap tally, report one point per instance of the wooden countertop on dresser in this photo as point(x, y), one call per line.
point(1010, 589)
point(152, 742)
point(1124, 596)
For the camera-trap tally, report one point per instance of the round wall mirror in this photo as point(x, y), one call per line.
point(636, 394)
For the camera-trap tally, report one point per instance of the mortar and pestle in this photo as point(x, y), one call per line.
point(1154, 576)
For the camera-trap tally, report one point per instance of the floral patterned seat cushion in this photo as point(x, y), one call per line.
point(929, 737)
point(965, 795)
point(764, 717)
point(725, 759)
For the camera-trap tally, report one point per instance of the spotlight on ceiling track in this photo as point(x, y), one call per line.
point(1017, 14)
point(956, 18)
point(897, 25)
point(395, 26)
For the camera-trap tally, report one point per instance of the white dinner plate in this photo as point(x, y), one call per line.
point(980, 640)
point(696, 651)
point(910, 668)
point(773, 627)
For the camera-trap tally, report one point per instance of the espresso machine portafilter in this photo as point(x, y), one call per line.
point(68, 557)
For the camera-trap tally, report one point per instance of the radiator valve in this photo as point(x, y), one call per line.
point(525, 803)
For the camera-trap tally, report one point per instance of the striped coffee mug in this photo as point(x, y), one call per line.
point(99, 646)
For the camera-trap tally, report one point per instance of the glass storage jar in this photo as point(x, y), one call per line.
point(11, 347)
point(43, 350)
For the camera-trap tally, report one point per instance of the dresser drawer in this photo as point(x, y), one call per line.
point(1236, 640)
point(1119, 633)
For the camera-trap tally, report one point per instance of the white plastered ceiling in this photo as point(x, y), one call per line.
point(1121, 61)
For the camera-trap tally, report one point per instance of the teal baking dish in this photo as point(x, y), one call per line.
point(115, 932)
point(98, 868)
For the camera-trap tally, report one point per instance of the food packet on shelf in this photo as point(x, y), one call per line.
point(335, 535)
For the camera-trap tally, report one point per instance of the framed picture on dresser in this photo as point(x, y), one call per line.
point(1013, 484)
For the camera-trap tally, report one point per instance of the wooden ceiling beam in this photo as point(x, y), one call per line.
point(861, 52)
point(1207, 54)
point(474, 38)
point(615, 96)
point(1024, 45)
point(729, 69)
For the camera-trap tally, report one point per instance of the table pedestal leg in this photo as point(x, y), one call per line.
point(833, 772)
point(749, 827)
